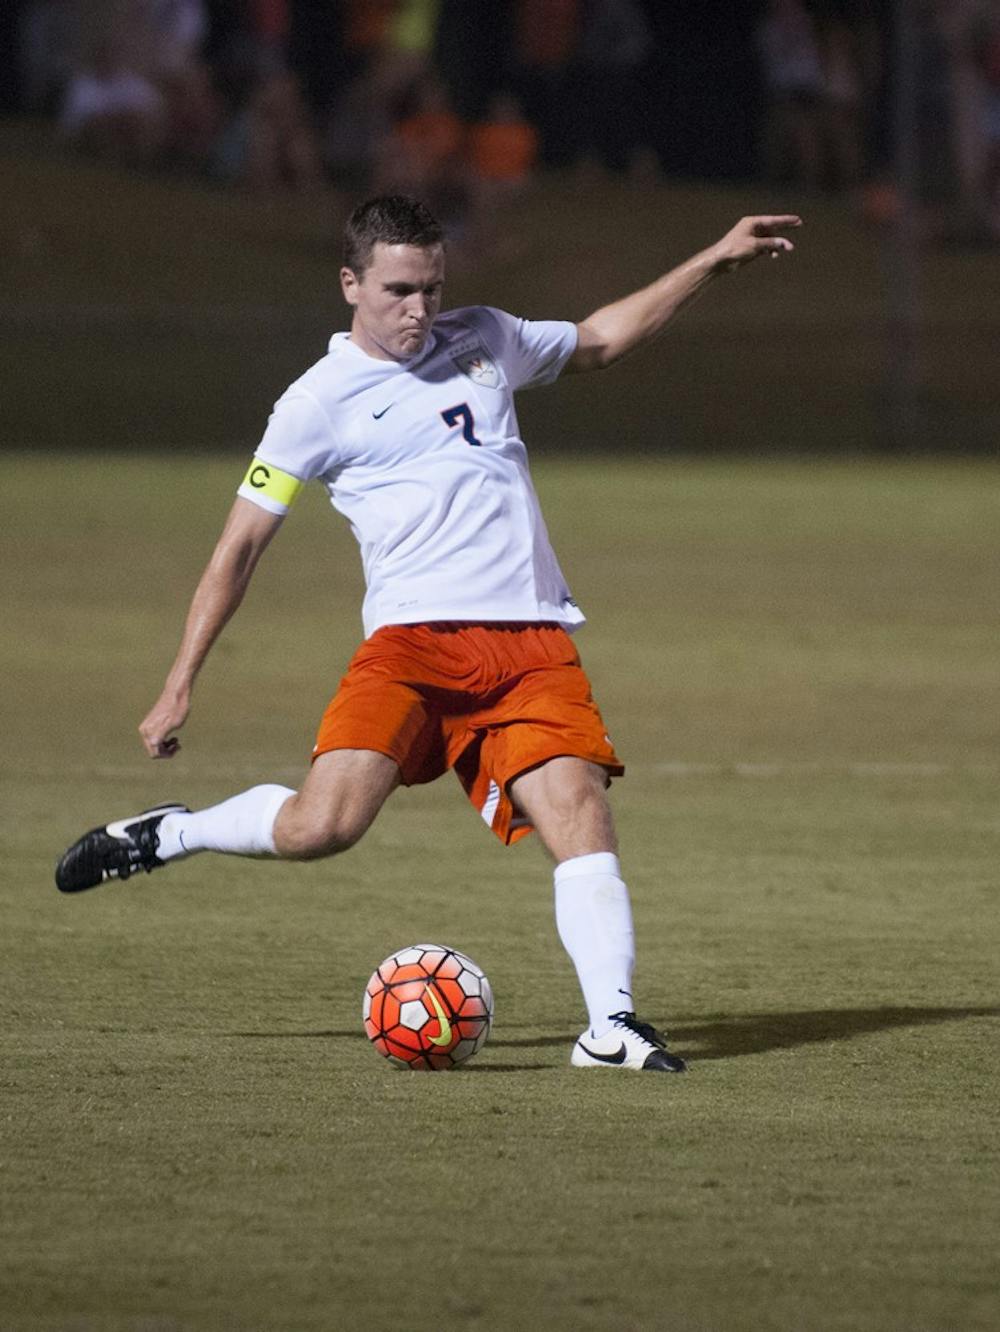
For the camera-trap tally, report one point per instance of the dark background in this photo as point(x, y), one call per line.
point(156, 301)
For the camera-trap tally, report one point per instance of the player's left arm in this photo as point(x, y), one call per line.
point(614, 330)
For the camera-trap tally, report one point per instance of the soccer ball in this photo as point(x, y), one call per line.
point(428, 1007)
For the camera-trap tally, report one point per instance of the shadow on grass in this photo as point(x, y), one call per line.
point(721, 1036)
point(534, 1042)
point(525, 1043)
point(476, 1067)
point(729, 1036)
point(355, 1034)
point(328, 1034)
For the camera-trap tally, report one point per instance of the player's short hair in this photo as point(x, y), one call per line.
point(393, 219)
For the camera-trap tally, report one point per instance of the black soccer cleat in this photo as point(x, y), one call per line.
point(115, 851)
point(628, 1044)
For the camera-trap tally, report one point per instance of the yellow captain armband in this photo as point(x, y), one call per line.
point(264, 481)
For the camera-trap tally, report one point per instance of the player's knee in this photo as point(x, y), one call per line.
point(310, 837)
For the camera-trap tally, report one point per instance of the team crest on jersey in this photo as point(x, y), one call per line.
point(479, 367)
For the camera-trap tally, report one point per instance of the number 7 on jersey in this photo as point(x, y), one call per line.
point(462, 415)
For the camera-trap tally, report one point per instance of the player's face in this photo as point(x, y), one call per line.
point(396, 300)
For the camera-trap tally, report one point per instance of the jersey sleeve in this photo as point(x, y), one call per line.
point(531, 351)
point(297, 445)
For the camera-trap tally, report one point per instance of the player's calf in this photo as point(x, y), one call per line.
point(337, 804)
point(308, 834)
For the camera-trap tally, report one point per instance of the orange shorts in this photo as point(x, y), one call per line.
point(489, 700)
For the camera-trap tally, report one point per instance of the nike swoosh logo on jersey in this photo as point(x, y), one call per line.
point(377, 416)
point(619, 1056)
point(444, 1035)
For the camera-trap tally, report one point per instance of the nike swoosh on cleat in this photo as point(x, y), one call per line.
point(117, 829)
point(619, 1056)
point(377, 416)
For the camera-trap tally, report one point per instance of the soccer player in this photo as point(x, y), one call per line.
point(409, 423)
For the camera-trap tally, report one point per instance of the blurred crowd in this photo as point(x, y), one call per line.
point(464, 101)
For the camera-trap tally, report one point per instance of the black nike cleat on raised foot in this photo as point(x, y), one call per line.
point(628, 1043)
point(114, 851)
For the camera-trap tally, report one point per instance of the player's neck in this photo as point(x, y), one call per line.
point(360, 336)
point(364, 343)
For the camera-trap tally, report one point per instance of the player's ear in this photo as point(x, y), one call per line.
point(349, 282)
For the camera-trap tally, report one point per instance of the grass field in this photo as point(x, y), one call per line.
point(799, 664)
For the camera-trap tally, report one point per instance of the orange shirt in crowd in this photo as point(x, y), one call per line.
point(503, 151)
point(367, 24)
point(434, 137)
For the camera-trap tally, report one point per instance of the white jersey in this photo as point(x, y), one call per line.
point(425, 460)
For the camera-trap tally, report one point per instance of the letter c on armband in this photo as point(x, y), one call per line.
point(265, 479)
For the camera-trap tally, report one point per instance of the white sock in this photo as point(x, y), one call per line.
point(241, 826)
point(594, 920)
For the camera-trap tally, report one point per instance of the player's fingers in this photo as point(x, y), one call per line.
point(155, 743)
point(778, 222)
point(162, 748)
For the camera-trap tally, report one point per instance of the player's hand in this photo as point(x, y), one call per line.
point(754, 236)
point(168, 714)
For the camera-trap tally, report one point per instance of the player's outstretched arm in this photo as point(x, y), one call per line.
point(609, 333)
point(244, 539)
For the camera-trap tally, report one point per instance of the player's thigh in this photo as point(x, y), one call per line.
point(337, 802)
point(567, 801)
